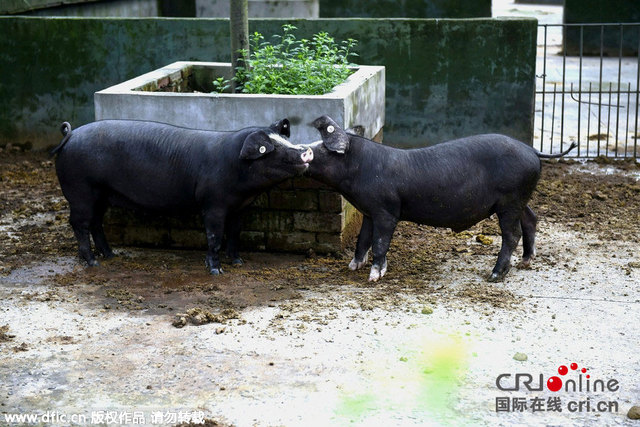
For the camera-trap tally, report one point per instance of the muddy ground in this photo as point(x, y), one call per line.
point(299, 339)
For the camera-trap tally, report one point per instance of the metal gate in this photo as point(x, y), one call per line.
point(587, 80)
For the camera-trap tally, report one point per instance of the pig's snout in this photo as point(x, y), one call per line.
point(307, 156)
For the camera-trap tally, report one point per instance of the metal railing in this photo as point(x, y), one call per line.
point(587, 90)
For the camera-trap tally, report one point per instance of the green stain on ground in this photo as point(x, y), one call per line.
point(354, 407)
point(440, 371)
point(423, 382)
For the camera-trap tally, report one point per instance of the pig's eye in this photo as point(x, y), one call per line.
point(262, 149)
point(330, 129)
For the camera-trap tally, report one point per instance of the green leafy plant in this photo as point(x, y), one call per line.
point(293, 67)
point(220, 85)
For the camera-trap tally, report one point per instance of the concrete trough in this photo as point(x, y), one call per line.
point(358, 101)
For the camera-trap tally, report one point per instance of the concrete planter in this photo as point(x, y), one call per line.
point(299, 214)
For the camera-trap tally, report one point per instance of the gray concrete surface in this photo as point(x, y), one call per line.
point(329, 362)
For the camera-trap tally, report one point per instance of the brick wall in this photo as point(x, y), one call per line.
point(297, 215)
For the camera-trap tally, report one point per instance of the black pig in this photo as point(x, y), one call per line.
point(454, 184)
point(171, 170)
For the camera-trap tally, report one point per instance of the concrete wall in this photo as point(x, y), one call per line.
point(406, 8)
point(602, 11)
point(120, 8)
point(22, 6)
point(549, 2)
point(445, 78)
point(257, 8)
point(261, 8)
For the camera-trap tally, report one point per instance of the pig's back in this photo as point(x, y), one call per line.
point(460, 181)
point(148, 164)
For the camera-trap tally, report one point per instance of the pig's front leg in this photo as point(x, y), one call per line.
point(233, 238)
point(214, 225)
point(383, 227)
point(363, 245)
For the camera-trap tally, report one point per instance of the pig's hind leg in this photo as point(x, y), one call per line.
point(232, 229)
point(511, 231)
point(214, 224)
point(528, 223)
point(97, 232)
point(81, 208)
point(363, 245)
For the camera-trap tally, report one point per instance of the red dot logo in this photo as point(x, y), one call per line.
point(583, 370)
point(562, 370)
point(574, 366)
point(554, 383)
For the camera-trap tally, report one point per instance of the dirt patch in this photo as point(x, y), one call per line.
point(199, 316)
point(591, 200)
point(34, 225)
point(489, 294)
point(5, 335)
point(33, 212)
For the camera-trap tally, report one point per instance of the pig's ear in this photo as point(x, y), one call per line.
point(256, 145)
point(283, 127)
point(333, 137)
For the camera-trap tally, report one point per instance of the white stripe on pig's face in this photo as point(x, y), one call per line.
point(299, 156)
point(279, 139)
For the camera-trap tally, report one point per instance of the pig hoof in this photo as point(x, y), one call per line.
point(377, 272)
point(525, 264)
point(216, 271)
point(356, 265)
point(237, 262)
point(495, 277)
point(374, 275)
point(383, 270)
point(93, 263)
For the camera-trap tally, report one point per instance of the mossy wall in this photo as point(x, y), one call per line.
point(445, 78)
point(406, 8)
point(328, 8)
point(85, 7)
